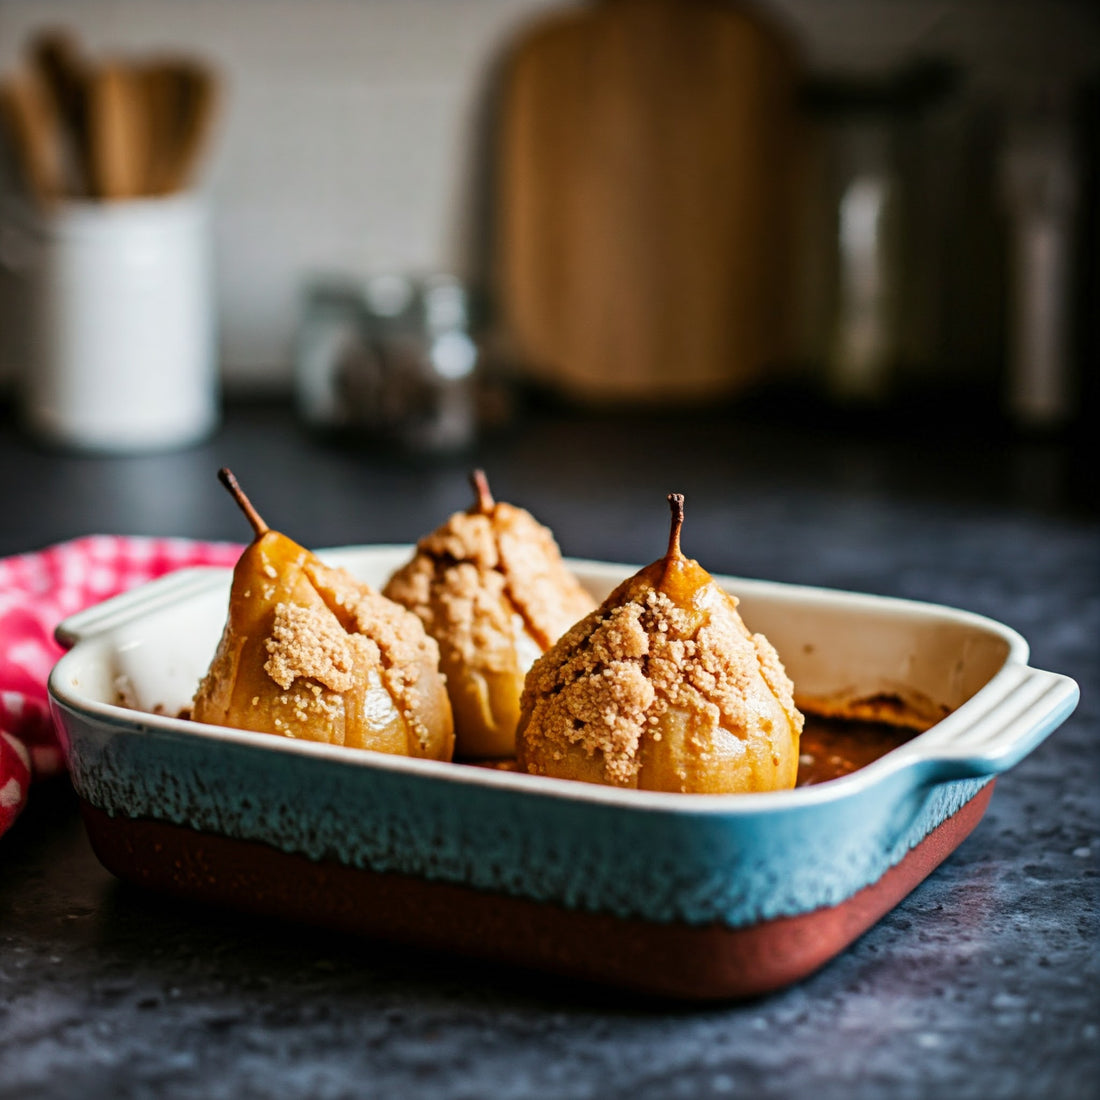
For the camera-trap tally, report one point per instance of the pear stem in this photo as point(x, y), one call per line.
point(480, 484)
point(676, 506)
point(225, 476)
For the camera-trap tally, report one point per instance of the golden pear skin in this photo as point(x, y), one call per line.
point(309, 652)
point(662, 688)
point(491, 588)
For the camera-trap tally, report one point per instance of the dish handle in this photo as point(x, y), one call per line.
point(182, 584)
point(992, 732)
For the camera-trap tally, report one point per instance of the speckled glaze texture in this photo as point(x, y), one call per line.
point(662, 866)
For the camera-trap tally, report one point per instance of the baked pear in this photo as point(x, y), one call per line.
point(662, 688)
point(310, 652)
point(491, 588)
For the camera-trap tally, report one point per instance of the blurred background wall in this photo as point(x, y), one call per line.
point(350, 134)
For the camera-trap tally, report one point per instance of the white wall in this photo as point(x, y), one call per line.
point(347, 136)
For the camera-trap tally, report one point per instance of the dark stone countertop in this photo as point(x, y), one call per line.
point(984, 982)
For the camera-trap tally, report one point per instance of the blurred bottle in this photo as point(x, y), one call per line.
point(864, 347)
point(867, 259)
point(1039, 188)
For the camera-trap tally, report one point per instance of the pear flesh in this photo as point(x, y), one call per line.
point(662, 688)
point(490, 586)
point(309, 652)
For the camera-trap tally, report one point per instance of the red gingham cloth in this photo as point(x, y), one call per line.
point(37, 591)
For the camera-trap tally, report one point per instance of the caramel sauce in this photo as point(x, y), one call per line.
point(832, 747)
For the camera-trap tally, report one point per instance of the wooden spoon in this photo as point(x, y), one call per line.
point(199, 103)
point(30, 118)
point(118, 132)
point(57, 56)
point(163, 90)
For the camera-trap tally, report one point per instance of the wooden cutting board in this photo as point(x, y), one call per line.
point(644, 166)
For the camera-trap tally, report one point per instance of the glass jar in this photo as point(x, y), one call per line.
point(390, 360)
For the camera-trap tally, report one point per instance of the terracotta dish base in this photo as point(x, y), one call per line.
point(677, 960)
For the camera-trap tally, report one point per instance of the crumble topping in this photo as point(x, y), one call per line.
point(470, 577)
point(393, 639)
point(545, 593)
point(623, 668)
point(309, 642)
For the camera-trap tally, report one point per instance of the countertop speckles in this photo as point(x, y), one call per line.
point(984, 982)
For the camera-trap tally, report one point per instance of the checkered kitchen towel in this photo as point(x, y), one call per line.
point(37, 591)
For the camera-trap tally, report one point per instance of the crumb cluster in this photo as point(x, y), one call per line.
point(305, 642)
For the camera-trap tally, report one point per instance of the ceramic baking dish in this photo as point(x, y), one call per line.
point(689, 895)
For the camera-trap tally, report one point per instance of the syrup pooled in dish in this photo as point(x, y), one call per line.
point(490, 586)
point(832, 747)
point(310, 652)
point(663, 688)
